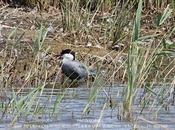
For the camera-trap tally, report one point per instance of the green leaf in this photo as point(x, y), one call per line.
point(167, 53)
point(166, 13)
point(168, 44)
point(136, 28)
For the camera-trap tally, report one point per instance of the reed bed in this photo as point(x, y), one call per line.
point(124, 40)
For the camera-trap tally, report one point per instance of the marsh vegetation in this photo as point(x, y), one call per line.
point(128, 42)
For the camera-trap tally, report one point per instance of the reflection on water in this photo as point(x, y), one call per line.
point(101, 113)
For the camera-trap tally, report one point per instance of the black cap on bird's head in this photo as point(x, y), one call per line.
point(67, 51)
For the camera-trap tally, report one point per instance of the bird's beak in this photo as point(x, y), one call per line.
point(59, 57)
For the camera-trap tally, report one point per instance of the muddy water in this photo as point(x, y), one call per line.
point(102, 113)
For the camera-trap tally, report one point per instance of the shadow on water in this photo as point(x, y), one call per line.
point(99, 115)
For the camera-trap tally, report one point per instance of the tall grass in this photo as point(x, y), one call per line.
point(44, 4)
point(141, 61)
point(104, 24)
point(35, 76)
point(133, 62)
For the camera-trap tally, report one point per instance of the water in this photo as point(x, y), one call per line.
point(102, 113)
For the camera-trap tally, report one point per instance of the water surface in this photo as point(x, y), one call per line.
point(104, 112)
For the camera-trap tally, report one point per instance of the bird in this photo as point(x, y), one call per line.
point(72, 68)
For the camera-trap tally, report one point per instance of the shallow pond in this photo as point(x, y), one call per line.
point(103, 112)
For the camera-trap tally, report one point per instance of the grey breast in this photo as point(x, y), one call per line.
point(74, 70)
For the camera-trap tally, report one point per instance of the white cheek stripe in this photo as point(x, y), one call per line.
point(68, 56)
